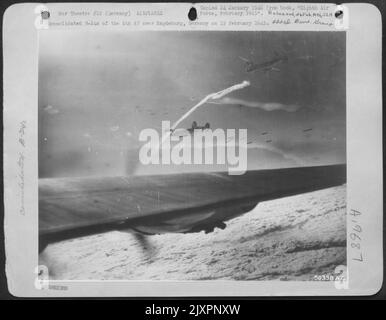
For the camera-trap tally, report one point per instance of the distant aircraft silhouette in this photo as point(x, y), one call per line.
point(197, 127)
point(266, 66)
point(194, 127)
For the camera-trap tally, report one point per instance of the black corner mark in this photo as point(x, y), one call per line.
point(339, 14)
point(45, 15)
point(192, 15)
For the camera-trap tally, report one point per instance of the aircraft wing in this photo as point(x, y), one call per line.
point(71, 207)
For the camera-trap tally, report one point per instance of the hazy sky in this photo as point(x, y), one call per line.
point(98, 90)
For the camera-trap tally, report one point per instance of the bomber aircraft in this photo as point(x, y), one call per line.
point(265, 66)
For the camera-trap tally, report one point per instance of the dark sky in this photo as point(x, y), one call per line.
point(98, 90)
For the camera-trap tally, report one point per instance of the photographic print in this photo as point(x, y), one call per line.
point(179, 150)
point(121, 193)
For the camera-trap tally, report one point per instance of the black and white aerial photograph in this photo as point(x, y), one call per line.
point(192, 155)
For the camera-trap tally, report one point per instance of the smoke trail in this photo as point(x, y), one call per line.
point(267, 106)
point(212, 96)
point(219, 96)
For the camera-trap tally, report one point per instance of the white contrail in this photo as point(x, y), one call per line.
point(267, 106)
point(213, 96)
